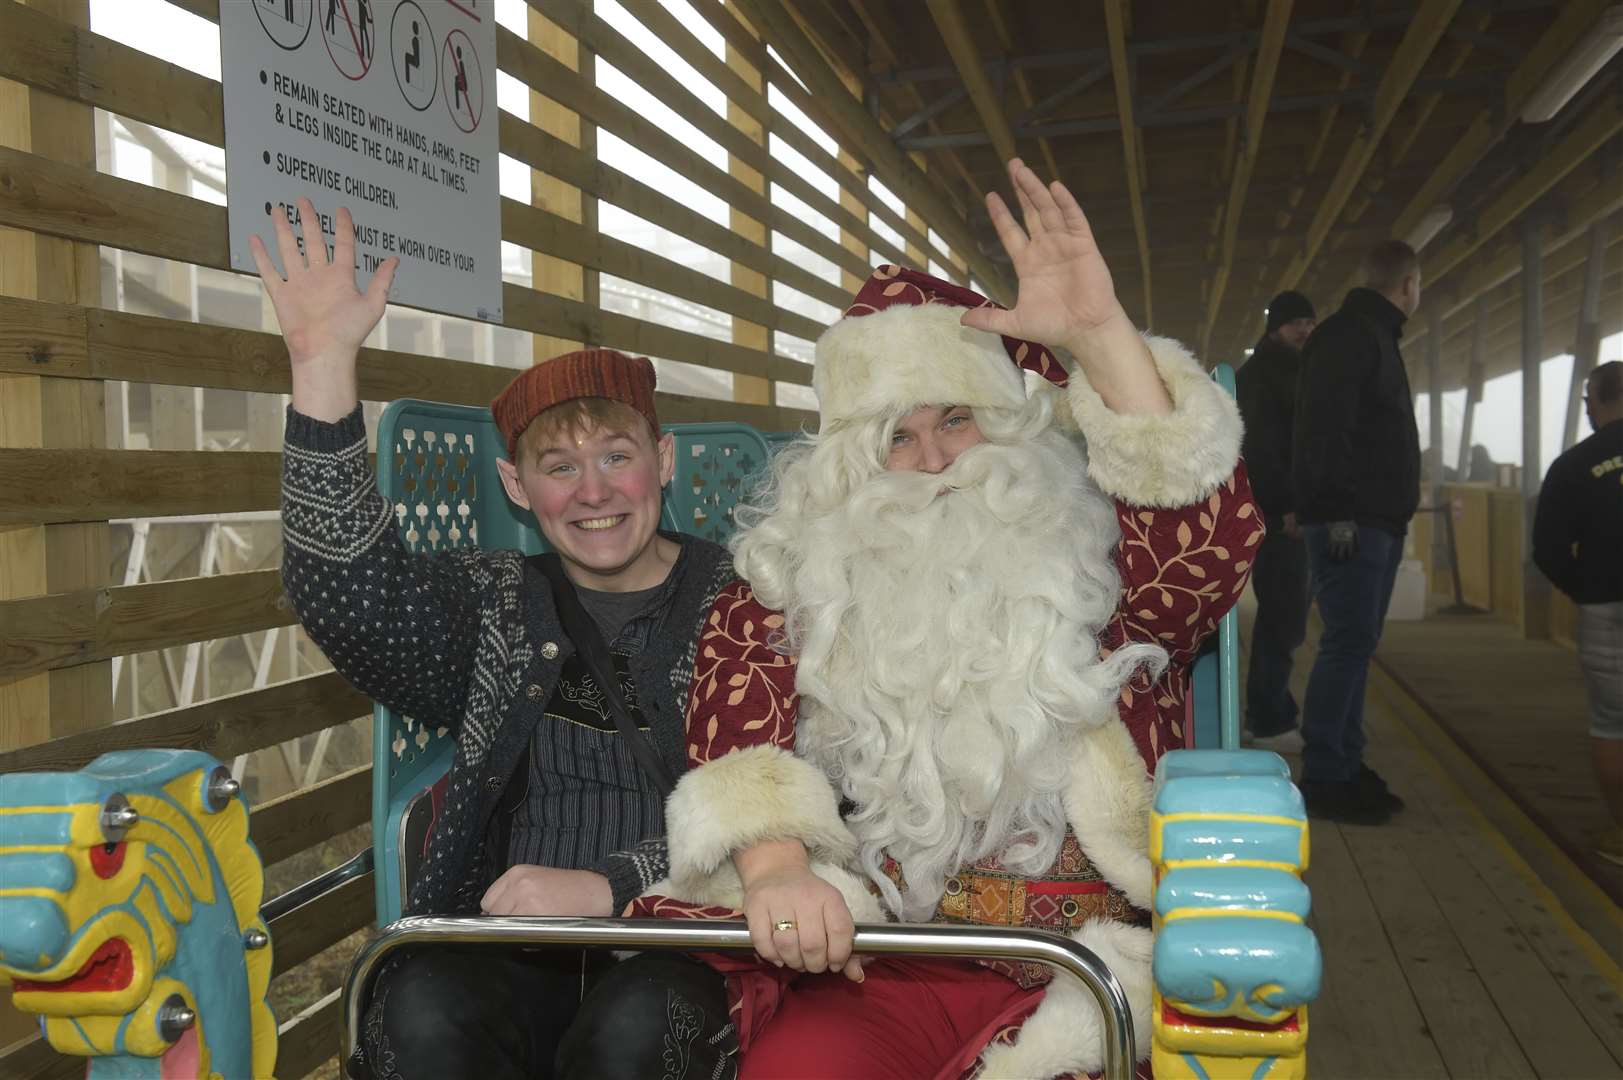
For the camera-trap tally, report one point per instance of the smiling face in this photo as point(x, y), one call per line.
point(592, 476)
point(931, 437)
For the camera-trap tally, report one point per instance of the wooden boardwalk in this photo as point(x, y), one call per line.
point(1446, 954)
point(1518, 710)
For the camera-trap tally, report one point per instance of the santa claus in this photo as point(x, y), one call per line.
point(959, 642)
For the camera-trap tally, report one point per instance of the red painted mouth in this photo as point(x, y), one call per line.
point(1173, 1017)
point(111, 967)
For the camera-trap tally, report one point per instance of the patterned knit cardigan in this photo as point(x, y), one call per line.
point(461, 641)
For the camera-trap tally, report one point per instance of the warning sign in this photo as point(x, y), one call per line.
point(339, 100)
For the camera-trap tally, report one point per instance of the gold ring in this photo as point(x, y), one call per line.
point(783, 924)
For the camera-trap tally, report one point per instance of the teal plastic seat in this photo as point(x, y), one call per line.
point(437, 465)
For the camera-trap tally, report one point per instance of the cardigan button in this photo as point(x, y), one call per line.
point(493, 783)
point(549, 650)
point(534, 692)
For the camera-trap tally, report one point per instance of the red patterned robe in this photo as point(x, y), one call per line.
point(1181, 567)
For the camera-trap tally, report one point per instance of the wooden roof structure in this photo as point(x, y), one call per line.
point(1227, 150)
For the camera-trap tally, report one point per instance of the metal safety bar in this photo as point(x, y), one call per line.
point(872, 939)
point(358, 865)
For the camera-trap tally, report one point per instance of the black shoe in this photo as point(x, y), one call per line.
point(1376, 791)
point(1344, 802)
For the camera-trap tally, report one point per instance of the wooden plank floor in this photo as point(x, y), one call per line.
point(1445, 955)
point(1517, 707)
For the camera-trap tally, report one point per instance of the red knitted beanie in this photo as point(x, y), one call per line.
point(602, 373)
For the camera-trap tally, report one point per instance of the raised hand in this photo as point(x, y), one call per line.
point(322, 315)
point(1067, 298)
point(1065, 286)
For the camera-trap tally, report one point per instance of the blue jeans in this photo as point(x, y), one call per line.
point(1279, 578)
point(1353, 597)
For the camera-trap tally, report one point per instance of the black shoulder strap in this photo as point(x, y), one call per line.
point(582, 630)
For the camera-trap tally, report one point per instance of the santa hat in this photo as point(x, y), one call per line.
point(900, 345)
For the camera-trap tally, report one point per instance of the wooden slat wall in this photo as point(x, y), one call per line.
point(49, 194)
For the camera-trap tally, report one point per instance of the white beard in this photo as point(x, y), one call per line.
point(948, 642)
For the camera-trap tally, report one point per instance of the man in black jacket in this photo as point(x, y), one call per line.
point(1578, 543)
point(1266, 387)
point(1356, 473)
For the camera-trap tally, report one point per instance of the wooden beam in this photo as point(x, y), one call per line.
point(614, 48)
point(67, 629)
point(869, 140)
point(878, 17)
point(1484, 132)
point(550, 271)
point(224, 726)
point(1425, 29)
point(1022, 82)
point(1604, 121)
point(966, 57)
point(1574, 19)
point(39, 194)
point(1116, 27)
point(311, 928)
point(310, 1039)
point(680, 38)
point(534, 147)
point(305, 818)
point(1563, 254)
point(750, 122)
point(41, 411)
point(1243, 328)
point(1274, 26)
point(1459, 51)
point(53, 486)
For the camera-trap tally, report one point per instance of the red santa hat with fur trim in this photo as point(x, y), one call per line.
point(901, 345)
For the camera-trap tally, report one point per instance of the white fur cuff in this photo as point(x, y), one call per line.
point(1066, 1033)
point(1108, 802)
point(1170, 460)
point(740, 799)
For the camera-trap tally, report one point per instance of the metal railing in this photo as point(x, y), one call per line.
point(872, 939)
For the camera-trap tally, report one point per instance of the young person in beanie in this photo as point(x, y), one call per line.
point(959, 643)
point(1266, 389)
point(548, 809)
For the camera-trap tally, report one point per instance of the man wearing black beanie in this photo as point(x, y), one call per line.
point(1266, 386)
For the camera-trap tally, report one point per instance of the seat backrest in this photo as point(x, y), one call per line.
point(437, 466)
point(1215, 686)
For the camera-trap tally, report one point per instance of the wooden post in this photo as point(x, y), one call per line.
point(1587, 349)
point(1535, 587)
point(749, 389)
point(849, 240)
point(549, 273)
point(1434, 445)
point(916, 254)
point(1473, 383)
point(55, 413)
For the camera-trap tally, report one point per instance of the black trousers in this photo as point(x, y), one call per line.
point(1279, 575)
point(506, 1014)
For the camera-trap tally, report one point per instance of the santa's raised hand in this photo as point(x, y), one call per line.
point(1066, 296)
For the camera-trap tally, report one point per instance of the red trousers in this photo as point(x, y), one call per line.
point(926, 1019)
